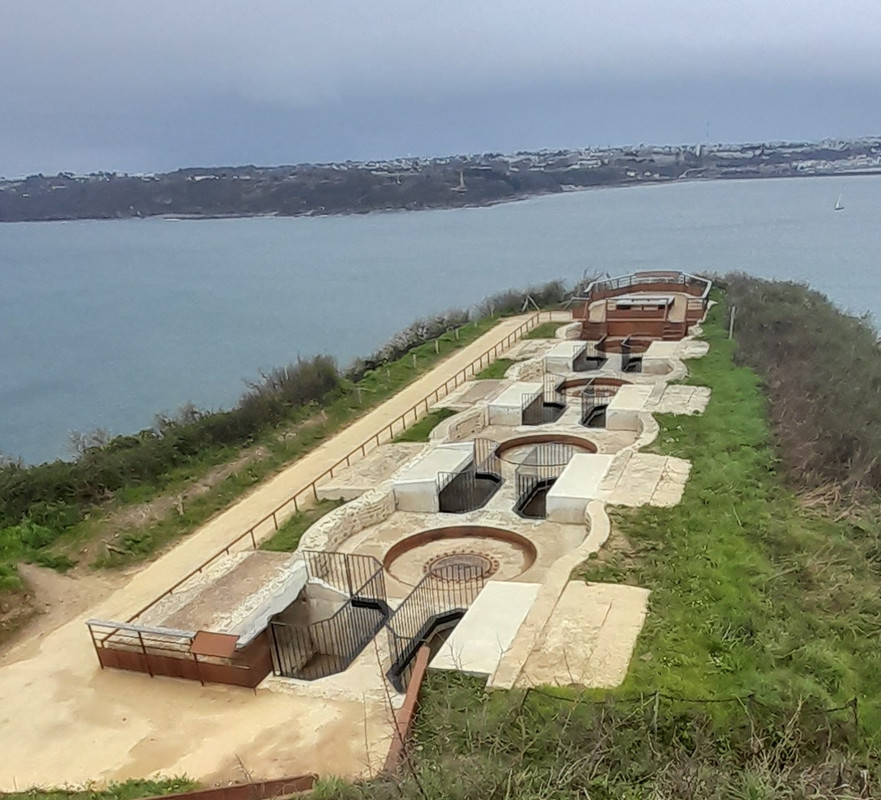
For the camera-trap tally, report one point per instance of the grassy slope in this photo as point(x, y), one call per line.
point(420, 431)
point(495, 370)
point(287, 538)
point(751, 593)
point(547, 330)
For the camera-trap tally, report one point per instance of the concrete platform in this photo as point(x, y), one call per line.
point(507, 407)
point(377, 466)
point(235, 595)
point(622, 413)
point(471, 393)
point(578, 484)
point(589, 638)
point(638, 479)
point(561, 357)
point(632, 400)
point(416, 486)
point(656, 360)
point(489, 626)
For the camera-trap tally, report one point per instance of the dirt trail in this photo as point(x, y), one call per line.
point(64, 721)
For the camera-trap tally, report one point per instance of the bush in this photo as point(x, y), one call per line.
point(822, 369)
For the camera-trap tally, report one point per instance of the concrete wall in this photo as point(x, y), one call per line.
point(334, 528)
point(570, 331)
point(532, 369)
point(578, 484)
point(465, 425)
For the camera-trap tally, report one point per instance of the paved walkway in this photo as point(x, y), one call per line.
point(64, 721)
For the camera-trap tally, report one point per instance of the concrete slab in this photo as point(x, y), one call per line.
point(471, 393)
point(638, 479)
point(589, 638)
point(507, 407)
point(377, 466)
point(578, 484)
point(529, 348)
point(487, 629)
point(416, 486)
point(232, 595)
point(560, 358)
point(622, 413)
point(680, 399)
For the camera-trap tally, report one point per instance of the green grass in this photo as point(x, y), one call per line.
point(129, 790)
point(539, 744)
point(495, 370)
point(752, 594)
point(287, 538)
point(419, 431)
point(375, 387)
point(547, 330)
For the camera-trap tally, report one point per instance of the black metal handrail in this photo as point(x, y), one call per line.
point(594, 400)
point(537, 472)
point(439, 599)
point(324, 647)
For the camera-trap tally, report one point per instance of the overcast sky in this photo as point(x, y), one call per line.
point(148, 86)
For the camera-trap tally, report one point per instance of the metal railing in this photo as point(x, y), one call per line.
point(471, 488)
point(439, 600)
point(543, 405)
point(629, 361)
point(532, 408)
point(309, 493)
point(536, 474)
point(594, 400)
point(601, 289)
point(590, 357)
point(311, 650)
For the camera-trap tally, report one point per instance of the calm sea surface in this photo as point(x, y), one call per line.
point(103, 324)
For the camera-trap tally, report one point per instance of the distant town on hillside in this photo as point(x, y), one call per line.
point(414, 183)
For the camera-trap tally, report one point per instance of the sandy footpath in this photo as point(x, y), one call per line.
point(64, 721)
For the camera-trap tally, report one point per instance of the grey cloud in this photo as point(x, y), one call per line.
point(150, 85)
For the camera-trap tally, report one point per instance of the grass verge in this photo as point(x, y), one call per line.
point(495, 370)
point(128, 790)
point(420, 431)
point(547, 330)
point(753, 594)
point(287, 538)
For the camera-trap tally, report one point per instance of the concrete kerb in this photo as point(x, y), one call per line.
point(513, 660)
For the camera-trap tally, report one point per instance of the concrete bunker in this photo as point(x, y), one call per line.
point(545, 405)
point(630, 348)
point(574, 356)
point(595, 400)
point(228, 621)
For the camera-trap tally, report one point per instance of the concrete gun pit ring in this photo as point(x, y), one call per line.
point(490, 552)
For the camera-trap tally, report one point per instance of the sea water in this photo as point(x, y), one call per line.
point(105, 323)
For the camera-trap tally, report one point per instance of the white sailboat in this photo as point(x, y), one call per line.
point(838, 205)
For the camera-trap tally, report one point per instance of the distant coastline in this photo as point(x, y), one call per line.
point(414, 183)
